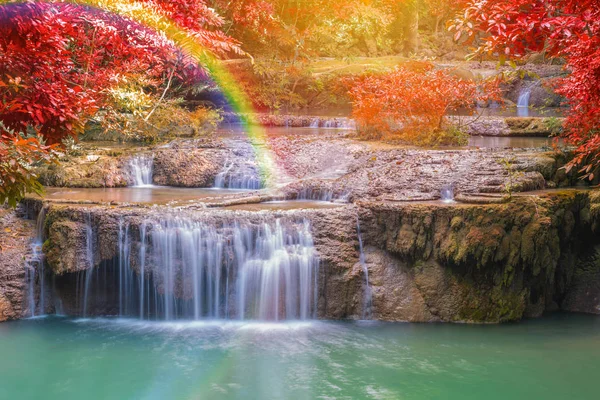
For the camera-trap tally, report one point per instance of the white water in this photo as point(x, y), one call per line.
point(316, 194)
point(332, 123)
point(447, 193)
point(179, 268)
point(89, 255)
point(368, 296)
point(142, 170)
point(35, 272)
point(524, 98)
point(238, 177)
point(241, 170)
point(523, 102)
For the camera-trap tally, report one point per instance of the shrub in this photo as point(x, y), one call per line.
point(19, 152)
point(409, 104)
point(139, 112)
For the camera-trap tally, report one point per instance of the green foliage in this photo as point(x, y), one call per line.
point(513, 174)
point(450, 136)
point(363, 31)
point(19, 153)
point(555, 125)
point(280, 85)
point(141, 111)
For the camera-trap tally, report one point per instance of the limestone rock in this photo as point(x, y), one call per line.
point(16, 236)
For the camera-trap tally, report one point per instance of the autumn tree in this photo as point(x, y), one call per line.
point(59, 63)
point(567, 29)
point(410, 103)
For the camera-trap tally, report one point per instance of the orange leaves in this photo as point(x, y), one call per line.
point(409, 103)
point(17, 155)
point(569, 29)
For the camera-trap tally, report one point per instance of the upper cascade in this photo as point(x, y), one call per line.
point(142, 170)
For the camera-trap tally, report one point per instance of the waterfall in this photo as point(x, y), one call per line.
point(239, 176)
point(35, 271)
point(179, 268)
point(447, 193)
point(332, 123)
point(316, 194)
point(524, 98)
point(241, 169)
point(89, 258)
point(523, 102)
point(142, 170)
point(368, 297)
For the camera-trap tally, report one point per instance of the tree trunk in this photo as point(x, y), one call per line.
point(411, 28)
point(438, 20)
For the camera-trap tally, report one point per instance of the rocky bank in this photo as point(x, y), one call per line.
point(427, 261)
point(483, 259)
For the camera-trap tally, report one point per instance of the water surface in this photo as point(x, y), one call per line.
point(54, 358)
point(143, 194)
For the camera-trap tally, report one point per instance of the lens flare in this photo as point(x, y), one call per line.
point(236, 98)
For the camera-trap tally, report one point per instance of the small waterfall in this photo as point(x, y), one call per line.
point(89, 259)
point(447, 193)
point(142, 170)
point(523, 102)
point(236, 176)
point(241, 169)
point(179, 268)
point(332, 123)
point(524, 98)
point(35, 271)
point(316, 194)
point(368, 297)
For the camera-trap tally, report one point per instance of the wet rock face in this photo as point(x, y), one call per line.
point(584, 293)
point(338, 168)
point(416, 175)
point(490, 263)
point(194, 168)
point(16, 236)
point(426, 261)
point(183, 163)
point(541, 91)
point(81, 172)
point(512, 126)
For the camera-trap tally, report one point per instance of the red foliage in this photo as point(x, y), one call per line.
point(17, 153)
point(58, 60)
point(410, 103)
point(200, 20)
point(569, 29)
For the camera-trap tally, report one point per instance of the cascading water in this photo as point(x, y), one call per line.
point(238, 176)
point(241, 170)
point(89, 255)
point(447, 193)
point(332, 123)
point(35, 272)
point(368, 297)
point(316, 194)
point(142, 170)
point(523, 101)
point(180, 268)
point(524, 98)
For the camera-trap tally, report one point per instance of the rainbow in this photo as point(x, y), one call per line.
point(235, 96)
